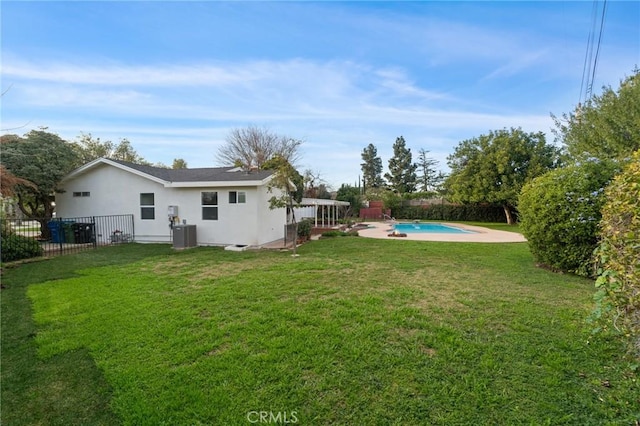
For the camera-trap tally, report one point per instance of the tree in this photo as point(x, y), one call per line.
point(124, 152)
point(179, 163)
point(371, 168)
point(493, 168)
point(290, 184)
point(9, 182)
point(253, 146)
point(315, 186)
point(90, 149)
point(402, 172)
point(606, 126)
point(429, 178)
point(323, 192)
point(283, 167)
point(352, 195)
point(43, 159)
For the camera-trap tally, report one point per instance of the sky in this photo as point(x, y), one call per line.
point(174, 78)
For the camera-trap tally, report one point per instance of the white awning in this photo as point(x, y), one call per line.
point(322, 202)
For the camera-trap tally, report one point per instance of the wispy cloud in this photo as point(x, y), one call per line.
point(120, 75)
point(339, 75)
point(293, 89)
point(518, 64)
point(338, 101)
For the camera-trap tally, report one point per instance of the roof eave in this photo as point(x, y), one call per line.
point(215, 184)
point(87, 167)
point(167, 184)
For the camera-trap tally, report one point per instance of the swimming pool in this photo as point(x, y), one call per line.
point(433, 228)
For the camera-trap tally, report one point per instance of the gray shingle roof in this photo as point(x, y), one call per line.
point(206, 174)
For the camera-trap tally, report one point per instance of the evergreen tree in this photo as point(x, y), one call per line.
point(429, 178)
point(371, 167)
point(402, 172)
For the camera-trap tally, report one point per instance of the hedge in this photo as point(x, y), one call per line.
point(618, 254)
point(16, 247)
point(560, 212)
point(452, 212)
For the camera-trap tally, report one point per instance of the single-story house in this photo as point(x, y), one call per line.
point(229, 206)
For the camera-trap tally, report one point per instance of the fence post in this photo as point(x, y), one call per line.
point(94, 238)
point(286, 231)
point(133, 228)
point(60, 234)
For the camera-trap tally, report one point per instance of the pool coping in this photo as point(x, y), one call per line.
point(481, 235)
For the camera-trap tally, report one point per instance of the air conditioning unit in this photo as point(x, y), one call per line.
point(184, 236)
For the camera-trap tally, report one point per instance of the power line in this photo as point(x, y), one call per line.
point(590, 64)
point(587, 56)
point(595, 60)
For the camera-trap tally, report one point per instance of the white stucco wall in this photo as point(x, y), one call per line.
point(115, 191)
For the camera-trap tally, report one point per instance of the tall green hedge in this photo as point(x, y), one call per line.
point(560, 212)
point(618, 295)
point(464, 212)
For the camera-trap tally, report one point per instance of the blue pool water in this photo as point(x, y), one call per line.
point(433, 228)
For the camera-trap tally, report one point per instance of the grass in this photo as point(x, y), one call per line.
point(354, 331)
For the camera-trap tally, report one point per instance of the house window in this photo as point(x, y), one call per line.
point(209, 205)
point(82, 194)
point(237, 197)
point(147, 203)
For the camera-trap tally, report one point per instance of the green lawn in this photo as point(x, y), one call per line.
point(354, 331)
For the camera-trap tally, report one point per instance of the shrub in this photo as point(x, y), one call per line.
point(336, 233)
point(349, 222)
point(618, 295)
point(16, 247)
point(304, 229)
point(560, 212)
point(5, 228)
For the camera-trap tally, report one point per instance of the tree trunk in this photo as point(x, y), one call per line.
point(507, 213)
point(293, 219)
point(45, 232)
point(30, 210)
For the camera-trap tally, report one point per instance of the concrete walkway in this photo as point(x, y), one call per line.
point(481, 235)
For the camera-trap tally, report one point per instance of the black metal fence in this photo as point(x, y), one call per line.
point(290, 236)
point(41, 237)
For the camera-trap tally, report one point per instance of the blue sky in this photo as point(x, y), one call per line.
point(175, 77)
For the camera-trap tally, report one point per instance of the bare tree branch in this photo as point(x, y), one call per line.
point(253, 146)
